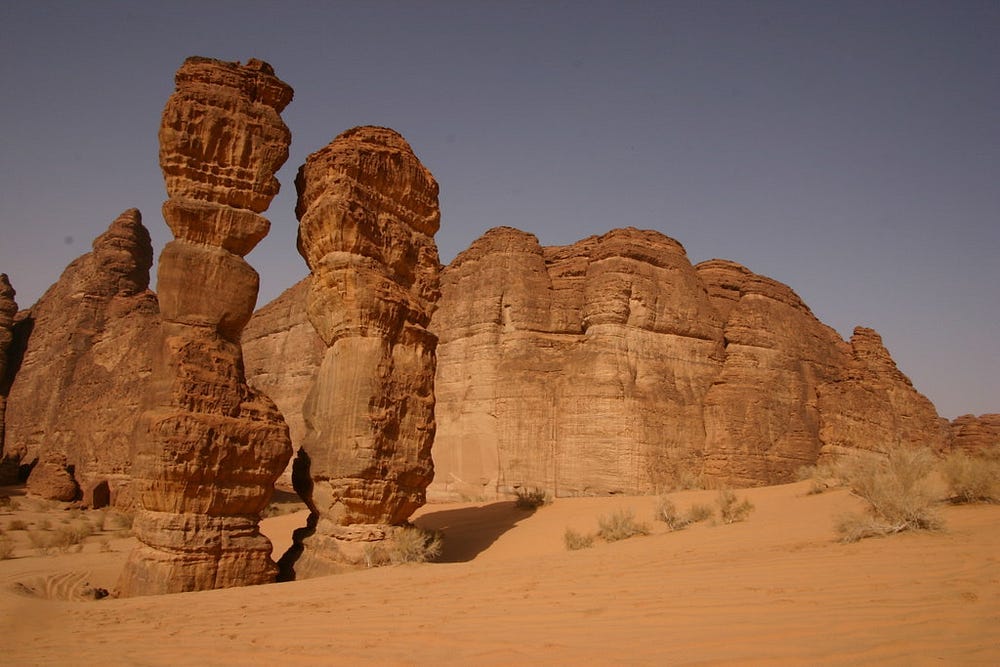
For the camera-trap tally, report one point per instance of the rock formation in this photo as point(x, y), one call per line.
point(872, 406)
point(614, 366)
point(8, 309)
point(281, 330)
point(208, 448)
point(77, 393)
point(368, 212)
point(972, 434)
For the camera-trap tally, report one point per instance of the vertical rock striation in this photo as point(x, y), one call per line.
point(209, 448)
point(368, 212)
point(84, 368)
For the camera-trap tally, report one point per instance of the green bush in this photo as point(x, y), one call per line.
point(574, 540)
point(971, 479)
point(620, 525)
point(897, 491)
point(731, 508)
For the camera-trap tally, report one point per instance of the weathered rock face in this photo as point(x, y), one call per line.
point(8, 309)
point(614, 366)
point(77, 393)
point(973, 434)
point(209, 448)
point(281, 330)
point(580, 369)
point(872, 406)
point(761, 414)
point(368, 212)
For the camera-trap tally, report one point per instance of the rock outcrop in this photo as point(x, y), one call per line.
point(281, 330)
point(368, 212)
point(8, 309)
point(872, 406)
point(77, 393)
point(973, 435)
point(209, 448)
point(614, 366)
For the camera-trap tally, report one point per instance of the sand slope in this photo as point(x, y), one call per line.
point(776, 589)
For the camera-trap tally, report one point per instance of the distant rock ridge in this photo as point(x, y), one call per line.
point(85, 363)
point(972, 434)
point(208, 448)
point(368, 212)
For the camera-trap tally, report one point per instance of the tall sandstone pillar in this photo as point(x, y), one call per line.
point(208, 448)
point(368, 212)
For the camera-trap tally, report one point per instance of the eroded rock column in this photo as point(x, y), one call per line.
point(208, 448)
point(8, 309)
point(368, 212)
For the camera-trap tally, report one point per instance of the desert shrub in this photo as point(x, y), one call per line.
point(897, 491)
point(971, 479)
point(731, 508)
point(699, 512)
point(574, 540)
point(530, 498)
point(6, 547)
point(414, 545)
point(666, 512)
point(106, 545)
point(823, 475)
point(620, 525)
point(375, 554)
point(41, 542)
point(17, 524)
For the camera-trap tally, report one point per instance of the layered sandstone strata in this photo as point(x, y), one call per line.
point(85, 366)
point(973, 434)
point(208, 447)
point(368, 212)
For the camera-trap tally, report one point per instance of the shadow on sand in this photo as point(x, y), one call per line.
point(469, 531)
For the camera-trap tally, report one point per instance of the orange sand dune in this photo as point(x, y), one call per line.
point(776, 589)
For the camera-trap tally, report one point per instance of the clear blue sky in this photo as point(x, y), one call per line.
point(848, 149)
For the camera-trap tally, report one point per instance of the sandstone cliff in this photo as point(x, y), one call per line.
point(368, 212)
point(77, 392)
point(281, 330)
point(207, 447)
point(973, 434)
point(614, 366)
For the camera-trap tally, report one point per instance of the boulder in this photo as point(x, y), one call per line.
point(368, 212)
point(208, 448)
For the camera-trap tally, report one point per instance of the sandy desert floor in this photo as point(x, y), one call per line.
point(775, 589)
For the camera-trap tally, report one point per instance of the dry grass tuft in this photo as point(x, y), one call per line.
point(574, 540)
point(531, 498)
point(620, 525)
